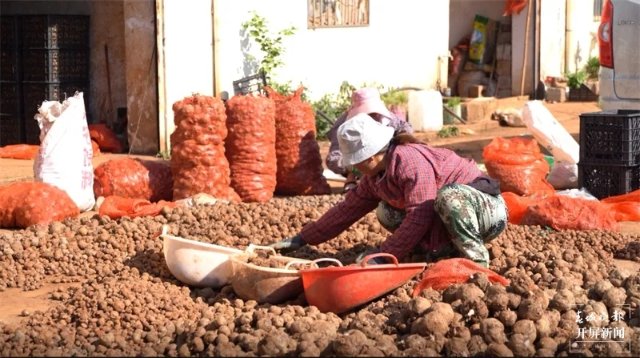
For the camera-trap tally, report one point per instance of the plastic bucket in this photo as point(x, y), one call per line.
point(425, 110)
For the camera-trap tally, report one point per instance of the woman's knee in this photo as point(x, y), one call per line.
point(389, 217)
point(447, 198)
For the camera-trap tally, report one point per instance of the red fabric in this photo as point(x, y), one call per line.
point(447, 272)
point(116, 207)
point(514, 7)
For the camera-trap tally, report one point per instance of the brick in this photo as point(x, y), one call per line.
point(475, 91)
point(556, 94)
point(479, 109)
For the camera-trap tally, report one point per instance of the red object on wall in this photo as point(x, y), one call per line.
point(514, 7)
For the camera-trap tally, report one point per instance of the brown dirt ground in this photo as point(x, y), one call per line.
point(469, 144)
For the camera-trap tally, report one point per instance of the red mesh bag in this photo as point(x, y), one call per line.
point(562, 212)
point(518, 164)
point(133, 178)
point(297, 151)
point(19, 151)
point(251, 147)
point(24, 204)
point(458, 270)
point(518, 205)
point(198, 160)
point(116, 207)
point(105, 137)
point(625, 207)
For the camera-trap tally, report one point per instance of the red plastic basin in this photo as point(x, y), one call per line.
point(340, 289)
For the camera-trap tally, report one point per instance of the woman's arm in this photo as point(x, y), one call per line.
point(356, 204)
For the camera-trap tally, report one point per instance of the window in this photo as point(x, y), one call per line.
point(337, 13)
point(597, 9)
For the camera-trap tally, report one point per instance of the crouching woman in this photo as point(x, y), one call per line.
point(430, 199)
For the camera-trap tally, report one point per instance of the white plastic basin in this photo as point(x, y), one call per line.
point(197, 263)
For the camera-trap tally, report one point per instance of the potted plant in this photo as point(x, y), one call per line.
point(578, 91)
point(453, 104)
point(396, 100)
point(592, 68)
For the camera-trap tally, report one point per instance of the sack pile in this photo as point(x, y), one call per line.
point(134, 178)
point(251, 146)
point(198, 161)
point(24, 204)
point(297, 151)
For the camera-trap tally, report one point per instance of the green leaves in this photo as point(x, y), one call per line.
point(270, 44)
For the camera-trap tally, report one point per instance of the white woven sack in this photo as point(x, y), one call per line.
point(65, 156)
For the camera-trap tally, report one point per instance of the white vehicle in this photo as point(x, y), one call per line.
point(619, 42)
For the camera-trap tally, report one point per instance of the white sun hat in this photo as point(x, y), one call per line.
point(362, 137)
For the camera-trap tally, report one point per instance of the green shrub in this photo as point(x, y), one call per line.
point(592, 68)
point(331, 106)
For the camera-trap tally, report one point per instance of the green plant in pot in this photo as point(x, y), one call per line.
point(396, 100)
point(453, 104)
point(576, 79)
point(592, 68)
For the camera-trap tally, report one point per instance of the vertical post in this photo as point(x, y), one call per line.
point(526, 46)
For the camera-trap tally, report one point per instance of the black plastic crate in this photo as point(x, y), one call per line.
point(608, 180)
point(54, 31)
point(610, 137)
point(55, 65)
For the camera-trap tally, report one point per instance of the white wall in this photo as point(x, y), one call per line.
point(581, 34)
point(400, 47)
point(552, 39)
point(185, 63)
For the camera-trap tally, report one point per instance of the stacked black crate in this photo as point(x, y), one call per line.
point(609, 152)
point(10, 124)
point(55, 63)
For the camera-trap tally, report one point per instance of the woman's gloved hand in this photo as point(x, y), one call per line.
point(290, 244)
point(375, 261)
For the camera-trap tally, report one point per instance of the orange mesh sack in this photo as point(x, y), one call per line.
point(116, 207)
point(297, 151)
point(625, 207)
point(562, 212)
point(24, 204)
point(251, 146)
point(105, 138)
point(518, 164)
point(134, 178)
point(518, 205)
point(458, 270)
point(198, 161)
point(19, 151)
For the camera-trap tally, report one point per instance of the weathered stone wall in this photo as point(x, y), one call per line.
point(141, 73)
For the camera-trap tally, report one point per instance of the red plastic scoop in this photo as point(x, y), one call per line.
point(340, 289)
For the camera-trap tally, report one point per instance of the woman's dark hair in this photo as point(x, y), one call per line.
point(405, 138)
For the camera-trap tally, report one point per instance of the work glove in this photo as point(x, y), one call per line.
point(374, 261)
point(290, 244)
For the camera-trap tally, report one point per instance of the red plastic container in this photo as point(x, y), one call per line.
point(340, 289)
